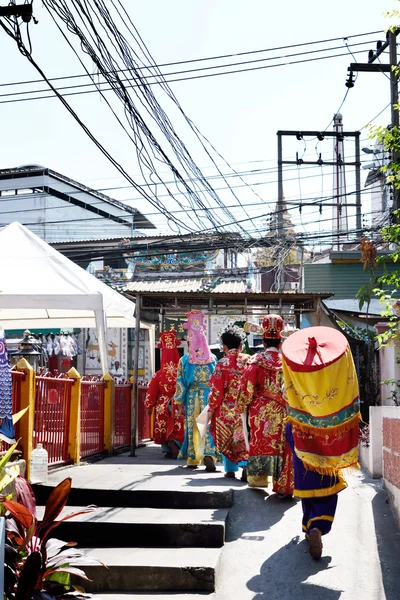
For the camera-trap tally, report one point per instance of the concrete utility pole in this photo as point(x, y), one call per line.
point(339, 212)
point(340, 204)
point(391, 43)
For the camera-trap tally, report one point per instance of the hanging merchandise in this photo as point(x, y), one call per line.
point(6, 422)
point(56, 345)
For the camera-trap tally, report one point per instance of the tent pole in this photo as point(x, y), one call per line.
point(135, 403)
point(101, 326)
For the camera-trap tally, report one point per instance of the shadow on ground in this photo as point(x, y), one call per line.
point(387, 538)
point(285, 574)
point(265, 510)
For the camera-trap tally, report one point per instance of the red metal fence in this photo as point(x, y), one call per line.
point(144, 419)
point(52, 415)
point(122, 415)
point(16, 377)
point(92, 415)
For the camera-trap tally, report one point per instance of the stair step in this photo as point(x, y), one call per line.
point(145, 527)
point(152, 570)
point(159, 596)
point(197, 498)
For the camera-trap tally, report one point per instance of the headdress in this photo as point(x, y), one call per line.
point(272, 326)
point(168, 344)
point(199, 352)
point(235, 330)
point(323, 406)
point(285, 333)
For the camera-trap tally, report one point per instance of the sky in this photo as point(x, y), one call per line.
point(239, 113)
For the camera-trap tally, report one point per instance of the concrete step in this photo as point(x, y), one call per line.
point(151, 498)
point(152, 570)
point(145, 527)
point(159, 596)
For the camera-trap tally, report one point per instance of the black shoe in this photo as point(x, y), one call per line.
point(209, 463)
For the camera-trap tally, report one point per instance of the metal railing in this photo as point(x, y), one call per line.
point(144, 419)
point(16, 380)
point(122, 415)
point(17, 377)
point(92, 415)
point(52, 416)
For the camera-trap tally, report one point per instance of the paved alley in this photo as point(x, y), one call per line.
point(264, 556)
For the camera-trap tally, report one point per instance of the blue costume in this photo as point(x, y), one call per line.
point(192, 390)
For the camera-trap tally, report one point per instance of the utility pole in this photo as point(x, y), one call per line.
point(281, 267)
point(390, 68)
point(340, 204)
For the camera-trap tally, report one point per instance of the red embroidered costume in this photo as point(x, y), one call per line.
point(261, 394)
point(226, 424)
point(168, 417)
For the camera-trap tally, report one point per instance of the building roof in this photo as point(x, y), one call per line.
point(43, 182)
point(216, 295)
point(188, 285)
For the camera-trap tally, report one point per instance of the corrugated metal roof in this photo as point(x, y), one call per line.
point(184, 285)
point(343, 280)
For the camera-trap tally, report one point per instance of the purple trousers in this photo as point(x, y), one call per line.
point(319, 506)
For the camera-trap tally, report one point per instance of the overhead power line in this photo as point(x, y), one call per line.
point(100, 86)
point(195, 60)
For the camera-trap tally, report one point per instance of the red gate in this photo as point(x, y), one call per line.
point(52, 415)
point(144, 419)
point(92, 415)
point(16, 379)
point(122, 415)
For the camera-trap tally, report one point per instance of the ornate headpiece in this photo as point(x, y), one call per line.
point(199, 352)
point(285, 333)
point(272, 326)
point(232, 328)
point(168, 344)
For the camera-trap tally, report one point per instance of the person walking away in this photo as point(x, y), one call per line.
point(261, 394)
point(168, 425)
point(192, 391)
point(323, 412)
point(226, 425)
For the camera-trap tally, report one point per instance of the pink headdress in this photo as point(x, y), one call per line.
point(199, 352)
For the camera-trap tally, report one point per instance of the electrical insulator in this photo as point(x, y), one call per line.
point(350, 80)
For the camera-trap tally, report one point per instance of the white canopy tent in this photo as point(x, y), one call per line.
point(40, 288)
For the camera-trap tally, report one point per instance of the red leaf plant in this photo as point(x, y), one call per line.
point(37, 567)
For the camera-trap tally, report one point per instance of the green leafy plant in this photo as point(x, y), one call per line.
point(393, 390)
point(38, 567)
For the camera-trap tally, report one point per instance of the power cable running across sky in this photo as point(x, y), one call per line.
point(197, 201)
point(198, 190)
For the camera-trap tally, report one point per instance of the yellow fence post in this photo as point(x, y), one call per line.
point(28, 391)
point(109, 403)
point(74, 442)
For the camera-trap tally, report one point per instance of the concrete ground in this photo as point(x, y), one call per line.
point(265, 555)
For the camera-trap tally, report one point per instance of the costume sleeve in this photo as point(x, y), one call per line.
point(216, 388)
point(152, 392)
point(247, 384)
point(181, 384)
